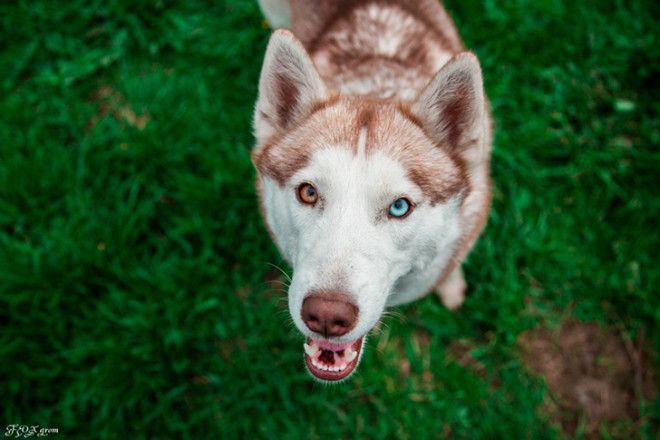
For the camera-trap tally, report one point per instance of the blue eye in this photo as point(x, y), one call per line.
point(399, 208)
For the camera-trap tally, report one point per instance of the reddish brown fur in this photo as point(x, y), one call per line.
point(313, 19)
point(288, 95)
point(438, 174)
point(318, 106)
point(427, 179)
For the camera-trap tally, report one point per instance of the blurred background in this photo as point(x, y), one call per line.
point(140, 294)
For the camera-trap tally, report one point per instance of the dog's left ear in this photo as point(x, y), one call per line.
point(452, 107)
point(289, 86)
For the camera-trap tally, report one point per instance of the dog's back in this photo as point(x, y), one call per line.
point(382, 49)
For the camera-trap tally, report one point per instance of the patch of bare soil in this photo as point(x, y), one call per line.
point(111, 101)
point(594, 374)
point(460, 352)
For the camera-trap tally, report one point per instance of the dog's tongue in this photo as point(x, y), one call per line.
point(326, 345)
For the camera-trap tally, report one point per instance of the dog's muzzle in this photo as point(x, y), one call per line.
point(330, 314)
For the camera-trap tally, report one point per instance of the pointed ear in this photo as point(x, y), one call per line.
point(289, 86)
point(452, 106)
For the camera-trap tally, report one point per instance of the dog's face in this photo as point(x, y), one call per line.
point(357, 194)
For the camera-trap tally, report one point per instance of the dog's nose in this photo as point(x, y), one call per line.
point(330, 314)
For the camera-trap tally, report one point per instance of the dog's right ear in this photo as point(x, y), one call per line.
point(452, 107)
point(289, 86)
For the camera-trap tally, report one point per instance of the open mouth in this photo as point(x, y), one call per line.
point(329, 361)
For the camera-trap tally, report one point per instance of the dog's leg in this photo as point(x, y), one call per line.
point(452, 290)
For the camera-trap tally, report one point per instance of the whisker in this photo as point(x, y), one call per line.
point(395, 314)
point(282, 271)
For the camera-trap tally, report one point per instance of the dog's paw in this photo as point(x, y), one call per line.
point(452, 290)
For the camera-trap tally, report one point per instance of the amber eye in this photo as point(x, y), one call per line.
point(307, 194)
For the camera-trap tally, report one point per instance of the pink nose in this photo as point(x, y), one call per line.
point(329, 313)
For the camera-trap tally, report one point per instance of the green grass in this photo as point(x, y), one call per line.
point(133, 262)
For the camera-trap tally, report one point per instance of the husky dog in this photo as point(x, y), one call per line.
point(372, 156)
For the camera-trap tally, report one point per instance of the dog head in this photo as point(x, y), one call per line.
point(361, 196)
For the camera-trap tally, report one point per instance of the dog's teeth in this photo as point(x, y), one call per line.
point(310, 349)
point(340, 362)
